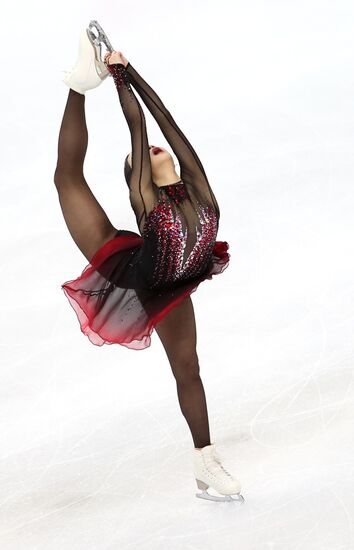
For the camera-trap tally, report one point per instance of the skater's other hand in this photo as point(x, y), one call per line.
point(115, 57)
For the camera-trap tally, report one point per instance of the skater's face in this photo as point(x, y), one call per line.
point(161, 163)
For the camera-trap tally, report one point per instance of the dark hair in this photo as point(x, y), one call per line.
point(127, 170)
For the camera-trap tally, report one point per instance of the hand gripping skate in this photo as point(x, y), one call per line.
point(209, 472)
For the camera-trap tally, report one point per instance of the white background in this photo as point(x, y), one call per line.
point(95, 453)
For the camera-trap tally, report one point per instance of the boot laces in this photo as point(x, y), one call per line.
point(217, 459)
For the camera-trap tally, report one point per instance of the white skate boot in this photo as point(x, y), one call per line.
point(209, 472)
point(90, 69)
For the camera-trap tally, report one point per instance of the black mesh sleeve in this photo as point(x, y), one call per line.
point(192, 171)
point(142, 190)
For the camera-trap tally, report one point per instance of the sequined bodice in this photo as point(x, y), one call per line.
point(180, 236)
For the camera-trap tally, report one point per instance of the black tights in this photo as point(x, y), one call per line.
point(90, 229)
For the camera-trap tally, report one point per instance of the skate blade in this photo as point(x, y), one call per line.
point(102, 37)
point(100, 66)
point(225, 498)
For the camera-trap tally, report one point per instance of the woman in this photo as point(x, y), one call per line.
point(135, 283)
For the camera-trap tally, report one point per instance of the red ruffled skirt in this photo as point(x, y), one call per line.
point(110, 300)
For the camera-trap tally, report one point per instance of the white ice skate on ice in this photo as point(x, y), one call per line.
point(89, 70)
point(209, 472)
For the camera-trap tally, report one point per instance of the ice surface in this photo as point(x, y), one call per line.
point(95, 453)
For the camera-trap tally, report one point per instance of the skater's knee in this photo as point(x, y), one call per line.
point(57, 178)
point(185, 368)
point(64, 177)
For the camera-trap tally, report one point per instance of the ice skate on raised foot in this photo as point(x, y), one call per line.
point(89, 70)
point(209, 472)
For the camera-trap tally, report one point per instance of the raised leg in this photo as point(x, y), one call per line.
point(86, 220)
point(177, 332)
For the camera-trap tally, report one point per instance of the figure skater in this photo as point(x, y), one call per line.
point(135, 283)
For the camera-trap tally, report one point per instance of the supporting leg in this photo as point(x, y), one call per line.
point(177, 332)
point(86, 220)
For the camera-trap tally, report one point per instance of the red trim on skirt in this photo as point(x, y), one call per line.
point(123, 312)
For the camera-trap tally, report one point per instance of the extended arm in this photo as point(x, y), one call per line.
point(192, 170)
point(142, 194)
